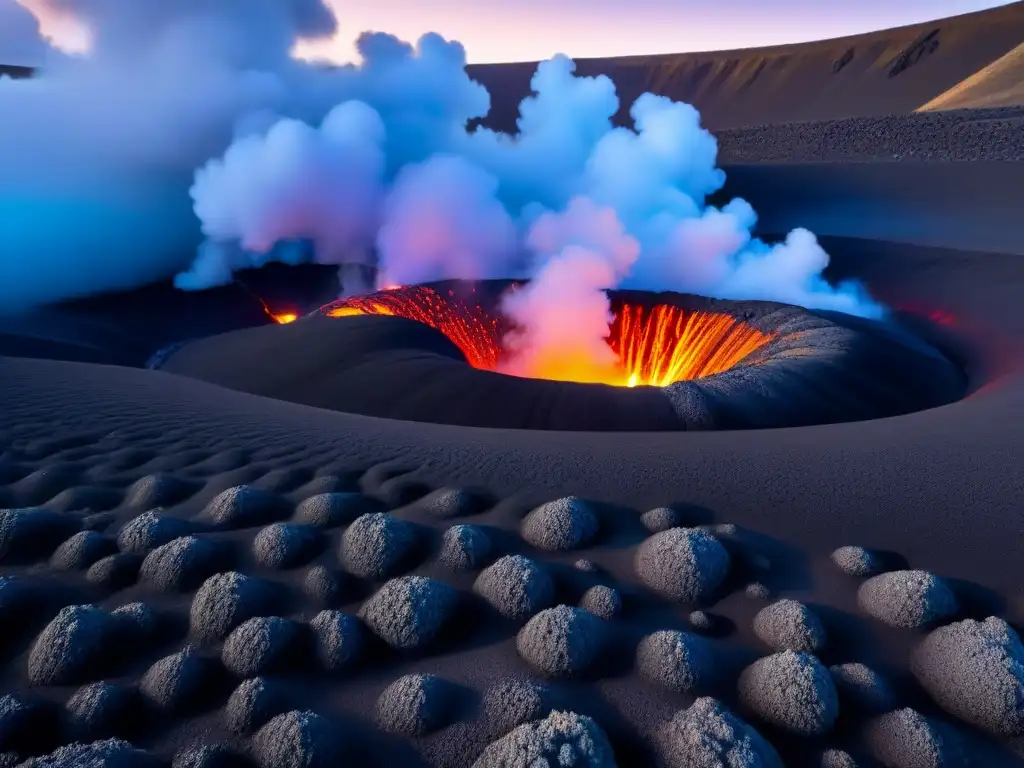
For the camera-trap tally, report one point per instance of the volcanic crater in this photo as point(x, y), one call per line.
point(444, 353)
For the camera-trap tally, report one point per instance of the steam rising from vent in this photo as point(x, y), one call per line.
point(366, 164)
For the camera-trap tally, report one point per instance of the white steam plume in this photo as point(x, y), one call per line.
point(370, 162)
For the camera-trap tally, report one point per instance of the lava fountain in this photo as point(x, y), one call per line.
point(655, 344)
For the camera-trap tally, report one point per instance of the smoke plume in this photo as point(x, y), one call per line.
point(189, 142)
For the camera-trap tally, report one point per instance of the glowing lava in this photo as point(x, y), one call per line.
point(654, 345)
point(284, 318)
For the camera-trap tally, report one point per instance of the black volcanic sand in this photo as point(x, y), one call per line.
point(937, 491)
point(819, 367)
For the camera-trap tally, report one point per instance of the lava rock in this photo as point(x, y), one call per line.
point(560, 525)
point(414, 705)
point(702, 621)
point(562, 641)
point(138, 620)
point(325, 586)
point(907, 739)
point(464, 547)
point(324, 484)
point(377, 546)
point(757, 591)
point(298, 740)
point(857, 561)
point(515, 586)
point(115, 571)
point(838, 758)
point(791, 690)
point(259, 645)
point(81, 551)
point(787, 625)
point(245, 506)
point(863, 687)
point(208, 756)
point(100, 710)
point(565, 739)
point(285, 545)
point(676, 660)
point(604, 602)
point(181, 565)
point(975, 671)
point(112, 753)
point(661, 519)
point(330, 510)
point(683, 564)
point(707, 735)
point(907, 599)
point(586, 566)
point(407, 613)
point(226, 600)
point(151, 530)
point(176, 682)
point(32, 533)
point(446, 503)
point(251, 704)
point(339, 639)
point(513, 702)
point(73, 647)
point(158, 490)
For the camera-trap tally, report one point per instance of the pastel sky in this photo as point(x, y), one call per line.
point(527, 30)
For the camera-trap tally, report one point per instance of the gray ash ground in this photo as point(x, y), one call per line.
point(271, 614)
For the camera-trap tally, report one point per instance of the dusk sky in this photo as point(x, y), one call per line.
point(526, 30)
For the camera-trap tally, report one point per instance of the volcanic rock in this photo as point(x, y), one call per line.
point(339, 639)
point(285, 545)
point(73, 647)
point(907, 739)
point(325, 586)
point(158, 490)
point(857, 561)
point(702, 621)
point(684, 564)
point(565, 739)
point(414, 705)
point(81, 551)
point(513, 702)
point(464, 547)
point(515, 586)
point(330, 510)
point(112, 753)
point(208, 756)
point(907, 599)
point(27, 534)
point(661, 519)
point(182, 564)
point(791, 690)
point(975, 671)
point(408, 612)
point(838, 758)
point(152, 529)
point(863, 687)
point(176, 682)
point(115, 571)
point(789, 626)
point(377, 546)
point(100, 710)
point(252, 704)
point(446, 503)
point(139, 621)
point(604, 602)
point(245, 506)
point(560, 525)
point(707, 735)
point(676, 660)
point(298, 740)
point(562, 641)
point(226, 600)
point(258, 645)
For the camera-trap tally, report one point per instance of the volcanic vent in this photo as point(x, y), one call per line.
point(654, 344)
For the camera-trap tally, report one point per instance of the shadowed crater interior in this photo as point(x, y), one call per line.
point(436, 353)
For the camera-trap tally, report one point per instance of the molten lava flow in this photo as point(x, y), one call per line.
point(652, 345)
point(468, 326)
point(662, 344)
point(284, 318)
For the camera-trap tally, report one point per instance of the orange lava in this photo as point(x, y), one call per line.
point(284, 318)
point(654, 345)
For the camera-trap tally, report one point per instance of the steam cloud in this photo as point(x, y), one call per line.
point(361, 164)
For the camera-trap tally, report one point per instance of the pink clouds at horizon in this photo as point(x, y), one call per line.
point(530, 30)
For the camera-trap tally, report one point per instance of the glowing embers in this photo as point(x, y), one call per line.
point(651, 345)
point(466, 324)
point(662, 344)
